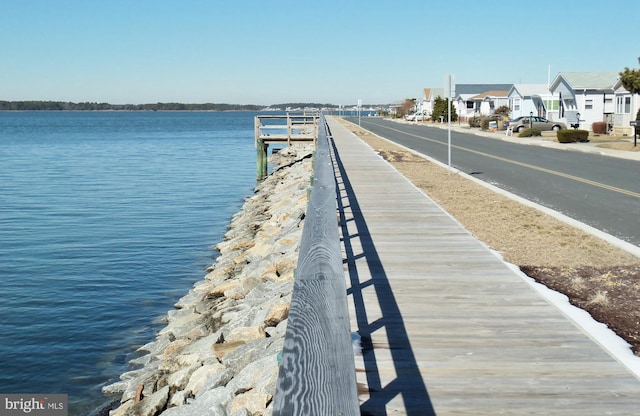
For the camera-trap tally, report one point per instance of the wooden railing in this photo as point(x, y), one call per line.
point(317, 370)
point(288, 129)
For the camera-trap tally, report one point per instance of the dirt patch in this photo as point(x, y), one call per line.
point(596, 276)
point(610, 294)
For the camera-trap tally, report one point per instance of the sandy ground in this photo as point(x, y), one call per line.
point(596, 276)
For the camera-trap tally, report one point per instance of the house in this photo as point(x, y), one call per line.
point(525, 99)
point(589, 94)
point(468, 101)
point(627, 106)
point(488, 101)
point(428, 97)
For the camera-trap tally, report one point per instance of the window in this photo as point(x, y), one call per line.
point(551, 105)
point(588, 104)
point(623, 104)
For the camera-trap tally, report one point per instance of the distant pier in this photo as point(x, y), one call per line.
point(282, 129)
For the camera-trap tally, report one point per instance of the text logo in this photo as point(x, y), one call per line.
point(33, 404)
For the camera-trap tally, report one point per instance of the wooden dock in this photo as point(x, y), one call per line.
point(447, 326)
point(288, 129)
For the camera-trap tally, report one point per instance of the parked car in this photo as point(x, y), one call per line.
point(417, 117)
point(540, 123)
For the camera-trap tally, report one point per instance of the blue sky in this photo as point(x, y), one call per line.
point(269, 52)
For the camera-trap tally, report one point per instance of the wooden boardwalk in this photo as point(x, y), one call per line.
point(447, 327)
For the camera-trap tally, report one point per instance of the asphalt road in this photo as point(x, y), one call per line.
point(600, 191)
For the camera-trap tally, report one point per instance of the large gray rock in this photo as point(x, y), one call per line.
point(253, 403)
point(219, 379)
point(249, 353)
point(211, 403)
point(259, 376)
point(200, 377)
point(150, 406)
point(178, 380)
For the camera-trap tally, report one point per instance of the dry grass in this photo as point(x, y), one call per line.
point(621, 146)
point(599, 298)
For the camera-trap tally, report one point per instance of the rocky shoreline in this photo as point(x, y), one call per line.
point(219, 352)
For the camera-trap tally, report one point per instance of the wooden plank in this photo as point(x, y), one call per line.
point(447, 326)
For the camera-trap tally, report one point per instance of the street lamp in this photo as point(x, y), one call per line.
point(530, 119)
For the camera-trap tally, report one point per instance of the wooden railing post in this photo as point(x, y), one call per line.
point(261, 159)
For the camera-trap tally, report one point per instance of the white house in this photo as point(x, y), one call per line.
point(467, 100)
point(428, 97)
point(525, 99)
point(488, 101)
point(626, 109)
point(591, 94)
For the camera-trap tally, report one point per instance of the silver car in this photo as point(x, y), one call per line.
point(540, 123)
point(422, 116)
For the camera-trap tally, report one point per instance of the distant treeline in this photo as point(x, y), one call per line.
point(303, 105)
point(87, 106)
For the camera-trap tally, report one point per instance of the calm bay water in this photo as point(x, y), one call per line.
point(106, 219)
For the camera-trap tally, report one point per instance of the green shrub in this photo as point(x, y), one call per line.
point(530, 133)
point(503, 111)
point(483, 122)
point(573, 136)
point(475, 122)
point(599, 127)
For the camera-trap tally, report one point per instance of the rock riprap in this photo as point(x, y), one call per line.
point(218, 354)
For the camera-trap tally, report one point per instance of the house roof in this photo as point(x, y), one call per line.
point(587, 80)
point(619, 88)
point(486, 94)
point(528, 90)
point(437, 92)
point(474, 89)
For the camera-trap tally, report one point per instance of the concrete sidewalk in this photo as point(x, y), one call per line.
point(447, 326)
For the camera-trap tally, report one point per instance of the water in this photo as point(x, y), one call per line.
point(106, 219)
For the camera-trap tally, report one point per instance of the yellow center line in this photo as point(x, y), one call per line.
point(526, 165)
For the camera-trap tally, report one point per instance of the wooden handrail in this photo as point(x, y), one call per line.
point(291, 126)
point(317, 370)
point(297, 129)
